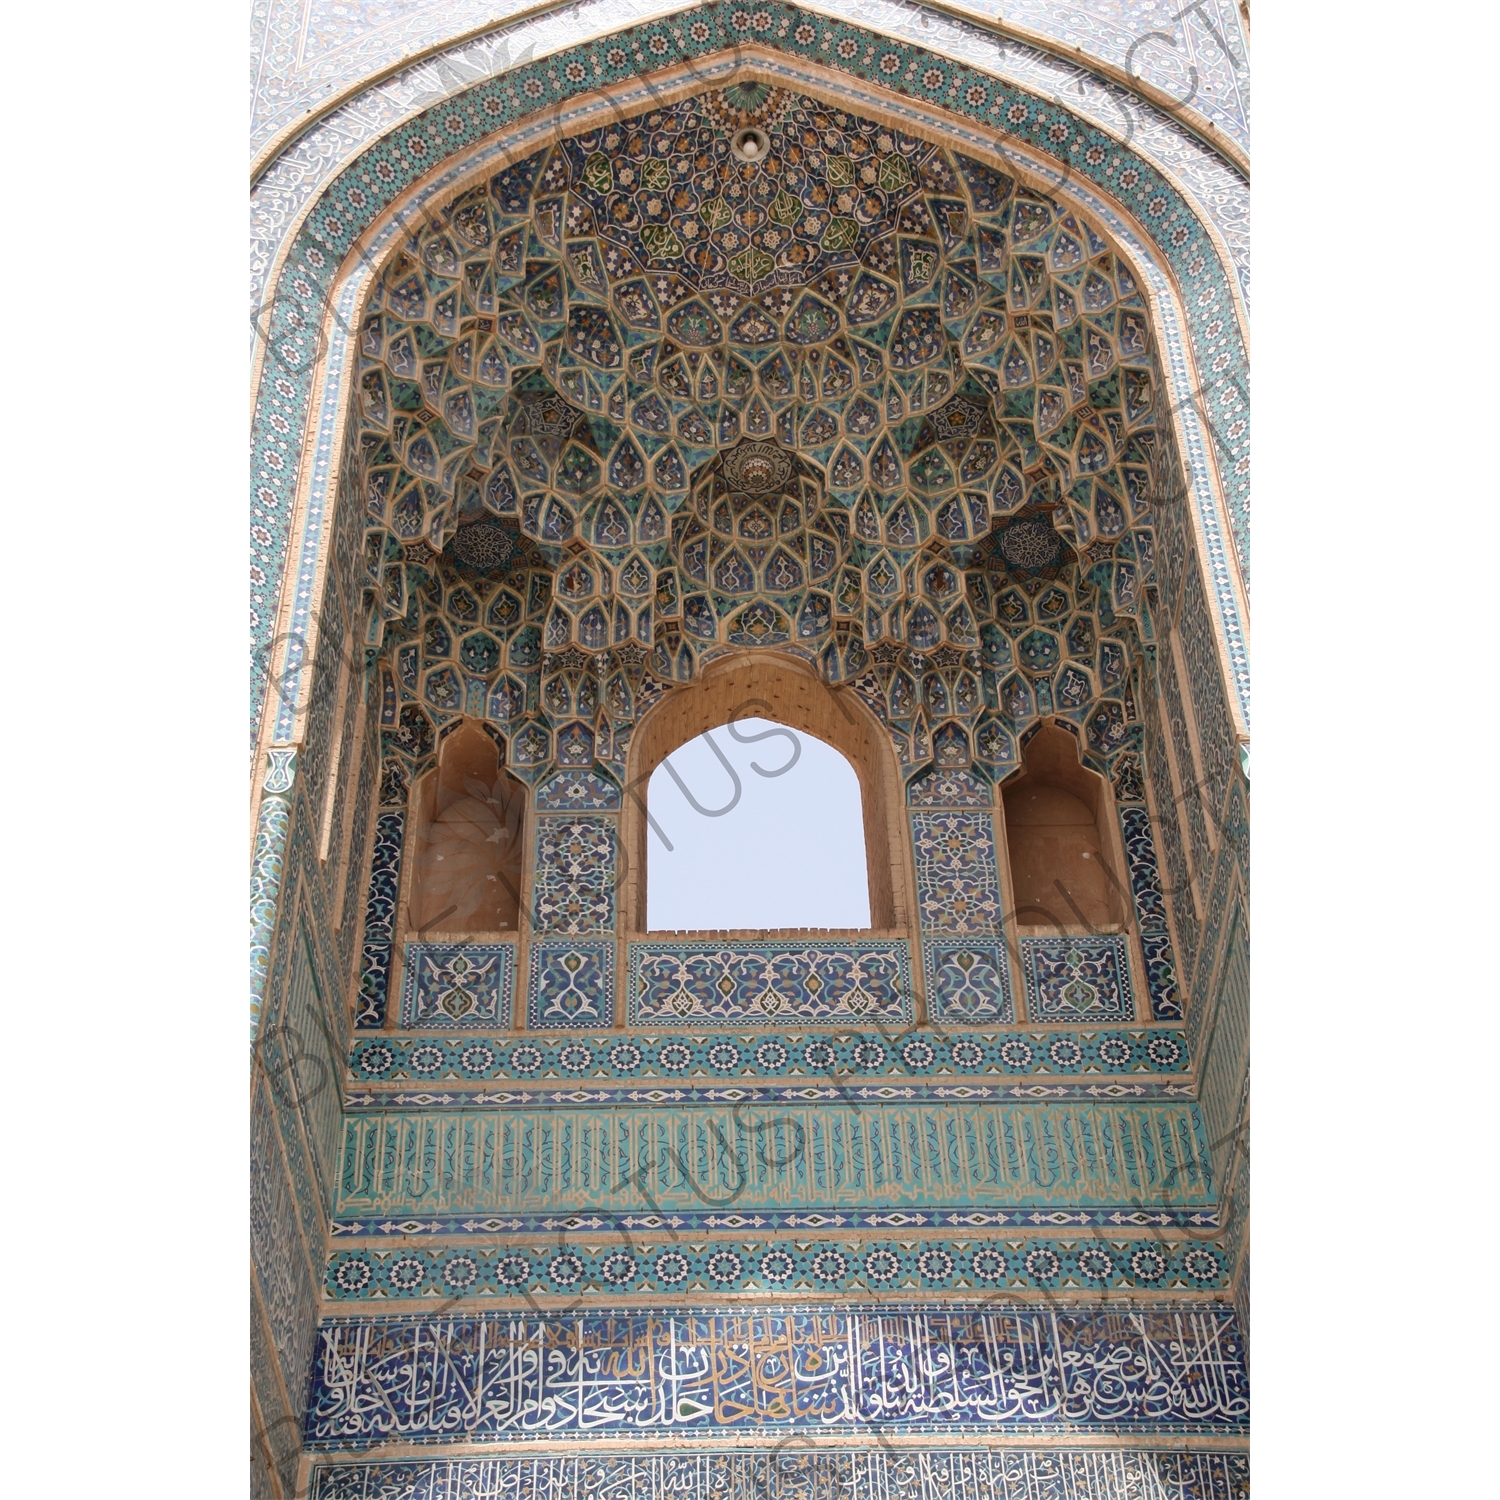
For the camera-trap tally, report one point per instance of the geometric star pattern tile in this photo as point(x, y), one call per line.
point(767, 1056)
point(944, 1264)
point(868, 401)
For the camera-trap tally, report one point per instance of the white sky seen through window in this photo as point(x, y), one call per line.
point(789, 851)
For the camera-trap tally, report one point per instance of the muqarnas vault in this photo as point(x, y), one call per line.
point(873, 430)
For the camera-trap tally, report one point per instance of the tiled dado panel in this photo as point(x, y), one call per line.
point(1078, 978)
point(738, 983)
point(571, 984)
point(821, 1369)
point(418, 1164)
point(959, 906)
point(794, 1473)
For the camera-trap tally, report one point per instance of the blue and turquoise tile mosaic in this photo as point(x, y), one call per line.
point(1145, 879)
point(679, 1059)
point(968, 983)
point(834, 1370)
point(795, 1471)
point(949, 788)
point(736, 983)
point(380, 917)
point(267, 871)
point(1151, 914)
point(1161, 976)
point(573, 890)
point(1077, 978)
point(958, 880)
point(374, 985)
point(467, 985)
point(578, 791)
point(283, 1275)
point(367, 184)
point(571, 984)
point(696, 1162)
point(812, 1266)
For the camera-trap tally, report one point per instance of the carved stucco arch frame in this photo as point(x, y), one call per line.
point(325, 410)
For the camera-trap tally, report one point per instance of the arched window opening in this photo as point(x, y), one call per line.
point(1062, 857)
point(753, 825)
point(469, 824)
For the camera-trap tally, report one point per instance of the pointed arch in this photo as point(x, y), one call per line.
point(787, 690)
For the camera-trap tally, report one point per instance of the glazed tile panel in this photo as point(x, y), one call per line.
point(1161, 976)
point(288, 1291)
point(574, 886)
point(672, 984)
point(958, 881)
point(914, 1067)
point(842, 1060)
point(1077, 978)
point(457, 986)
point(968, 983)
point(578, 791)
point(572, 984)
point(380, 917)
point(795, 1474)
point(302, 50)
point(830, 1370)
point(849, 1058)
point(348, 204)
point(1067, 1153)
point(801, 1267)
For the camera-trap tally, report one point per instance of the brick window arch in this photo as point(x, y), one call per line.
point(785, 692)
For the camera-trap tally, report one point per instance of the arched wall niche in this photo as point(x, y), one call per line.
point(1062, 840)
point(466, 831)
point(769, 685)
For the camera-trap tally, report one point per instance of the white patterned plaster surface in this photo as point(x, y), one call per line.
point(304, 51)
point(288, 186)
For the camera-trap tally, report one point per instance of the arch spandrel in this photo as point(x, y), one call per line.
point(1199, 64)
